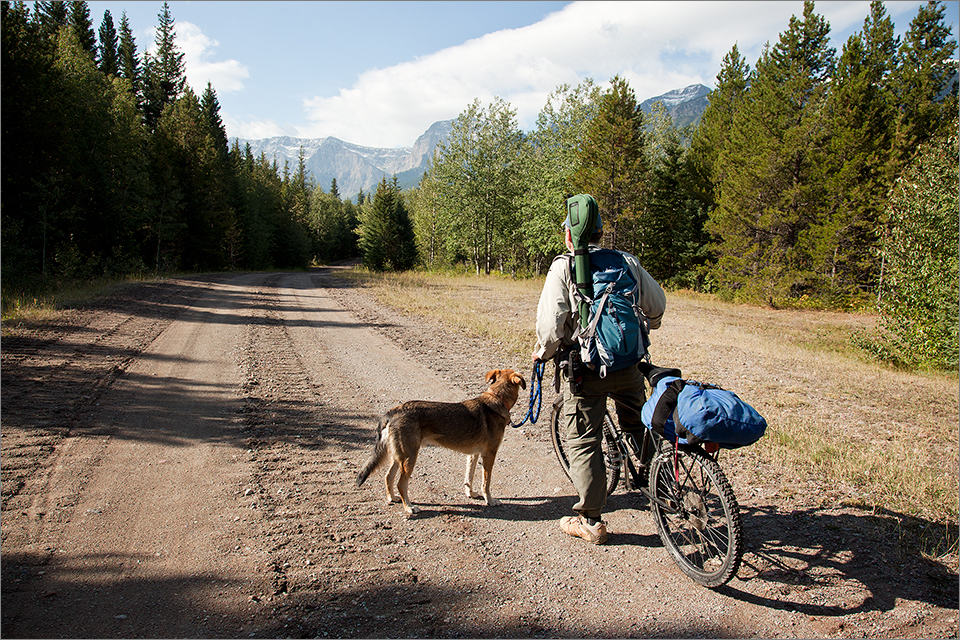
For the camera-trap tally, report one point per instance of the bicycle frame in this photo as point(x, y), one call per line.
point(652, 444)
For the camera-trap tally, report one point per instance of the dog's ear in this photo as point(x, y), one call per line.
point(492, 376)
point(518, 379)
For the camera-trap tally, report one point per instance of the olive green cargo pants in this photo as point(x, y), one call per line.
point(583, 420)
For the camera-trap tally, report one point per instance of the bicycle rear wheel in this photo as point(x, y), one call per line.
point(611, 454)
point(697, 517)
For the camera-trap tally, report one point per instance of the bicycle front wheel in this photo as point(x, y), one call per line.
point(611, 454)
point(696, 515)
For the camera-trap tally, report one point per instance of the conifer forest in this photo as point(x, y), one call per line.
point(814, 177)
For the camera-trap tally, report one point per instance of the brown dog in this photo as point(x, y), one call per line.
point(474, 427)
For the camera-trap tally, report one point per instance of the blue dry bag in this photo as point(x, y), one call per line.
point(698, 412)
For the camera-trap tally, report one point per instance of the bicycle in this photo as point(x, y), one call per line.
point(693, 505)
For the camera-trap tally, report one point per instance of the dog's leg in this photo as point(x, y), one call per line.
point(488, 459)
point(468, 476)
point(390, 479)
point(406, 470)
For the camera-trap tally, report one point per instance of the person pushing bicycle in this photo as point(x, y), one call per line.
point(561, 319)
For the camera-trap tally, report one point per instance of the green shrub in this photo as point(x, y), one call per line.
point(919, 293)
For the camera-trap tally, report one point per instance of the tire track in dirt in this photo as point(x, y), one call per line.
point(321, 533)
point(123, 528)
point(51, 378)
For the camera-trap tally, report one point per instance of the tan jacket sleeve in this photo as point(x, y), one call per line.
point(555, 318)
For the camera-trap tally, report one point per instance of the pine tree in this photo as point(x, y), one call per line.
point(52, 15)
point(375, 228)
point(772, 190)
point(100, 173)
point(108, 53)
point(31, 106)
point(164, 74)
point(926, 66)
point(404, 256)
point(129, 61)
point(79, 20)
point(210, 108)
point(672, 240)
point(252, 198)
point(387, 241)
point(292, 244)
point(715, 125)
point(857, 160)
point(613, 164)
point(298, 196)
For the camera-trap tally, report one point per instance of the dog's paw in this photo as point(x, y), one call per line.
point(411, 511)
point(491, 501)
point(393, 499)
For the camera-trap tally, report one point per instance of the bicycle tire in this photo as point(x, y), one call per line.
point(698, 519)
point(611, 454)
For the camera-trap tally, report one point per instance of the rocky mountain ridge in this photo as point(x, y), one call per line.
point(685, 106)
point(355, 167)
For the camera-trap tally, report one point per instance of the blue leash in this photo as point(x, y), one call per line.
point(536, 394)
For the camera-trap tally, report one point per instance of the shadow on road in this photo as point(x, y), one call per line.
point(876, 552)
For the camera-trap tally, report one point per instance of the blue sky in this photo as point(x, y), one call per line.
point(380, 73)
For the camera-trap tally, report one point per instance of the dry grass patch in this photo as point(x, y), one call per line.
point(497, 309)
point(895, 472)
point(40, 307)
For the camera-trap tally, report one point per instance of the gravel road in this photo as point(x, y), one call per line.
point(179, 460)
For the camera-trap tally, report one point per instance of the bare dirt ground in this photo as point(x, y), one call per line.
point(179, 460)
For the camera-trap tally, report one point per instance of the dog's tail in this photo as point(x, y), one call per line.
point(379, 451)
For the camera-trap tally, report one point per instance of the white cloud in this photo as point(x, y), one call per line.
point(198, 49)
point(253, 129)
point(225, 75)
point(656, 46)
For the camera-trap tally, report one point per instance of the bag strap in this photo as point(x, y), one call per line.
point(666, 405)
point(592, 327)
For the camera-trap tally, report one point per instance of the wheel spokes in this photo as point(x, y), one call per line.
point(697, 524)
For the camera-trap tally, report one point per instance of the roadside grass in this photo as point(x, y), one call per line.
point(462, 302)
point(886, 438)
point(891, 476)
point(37, 302)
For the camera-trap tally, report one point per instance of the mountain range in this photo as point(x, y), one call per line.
point(685, 106)
point(355, 167)
point(358, 168)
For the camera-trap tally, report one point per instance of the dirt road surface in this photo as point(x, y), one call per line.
point(179, 460)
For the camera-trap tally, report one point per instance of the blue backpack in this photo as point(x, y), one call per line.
point(615, 336)
point(696, 412)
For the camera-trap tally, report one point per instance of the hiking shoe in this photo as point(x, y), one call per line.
point(577, 526)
